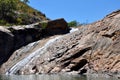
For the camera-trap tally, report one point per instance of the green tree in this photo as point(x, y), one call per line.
point(7, 7)
point(73, 23)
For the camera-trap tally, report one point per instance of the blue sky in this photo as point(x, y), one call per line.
point(80, 10)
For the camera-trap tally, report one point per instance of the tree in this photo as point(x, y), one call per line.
point(7, 7)
point(73, 23)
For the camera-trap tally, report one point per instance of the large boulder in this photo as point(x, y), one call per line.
point(58, 26)
point(6, 44)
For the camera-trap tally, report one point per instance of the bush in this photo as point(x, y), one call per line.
point(44, 25)
point(7, 7)
point(2, 22)
point(19, 20)
point(17, 12)
point(73, 24)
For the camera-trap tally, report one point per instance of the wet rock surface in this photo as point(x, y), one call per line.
point(94, 48)
point(15, 37)
point(31, 33)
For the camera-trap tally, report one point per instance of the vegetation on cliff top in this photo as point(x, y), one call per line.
point(17, 12)
point(75, 23)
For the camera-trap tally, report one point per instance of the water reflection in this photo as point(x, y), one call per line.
point(52, 77)
point(42, 77)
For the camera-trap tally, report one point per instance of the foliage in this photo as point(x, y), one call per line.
point(73, 23)
point(44, 25)
point(7, 7)
point(19, 20)
point(2, 22)
point(17, 12)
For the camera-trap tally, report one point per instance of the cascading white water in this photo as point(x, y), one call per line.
point(23, 62)
point(36, 53)
point(73, 30)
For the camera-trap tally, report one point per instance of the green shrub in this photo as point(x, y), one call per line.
point(7, 7)
point(19, 20)
point(2, 22)
point(73, 23)
point(44, 25)
point(17, 12)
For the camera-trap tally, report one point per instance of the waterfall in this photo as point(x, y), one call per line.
point(35, 54)
point(73, 30)
point(23, 62)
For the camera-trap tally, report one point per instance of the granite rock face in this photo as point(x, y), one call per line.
point(94, 48)
point(25, 34)
point(15, 37)
point(30, 33)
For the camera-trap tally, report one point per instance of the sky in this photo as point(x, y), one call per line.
point(83, 11)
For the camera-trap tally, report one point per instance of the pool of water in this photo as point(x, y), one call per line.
point(53, 77)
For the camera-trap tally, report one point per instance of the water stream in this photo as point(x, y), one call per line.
point(38, 52)
point(73, 30)
point(23, 62)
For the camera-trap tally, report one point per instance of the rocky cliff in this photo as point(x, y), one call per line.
point(6, 44)
point(94, 48)
point(15, 37)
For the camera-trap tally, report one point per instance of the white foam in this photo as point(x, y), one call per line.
point(23, 62)
point(73, 30)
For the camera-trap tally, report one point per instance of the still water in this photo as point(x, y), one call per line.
point(53, 77)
